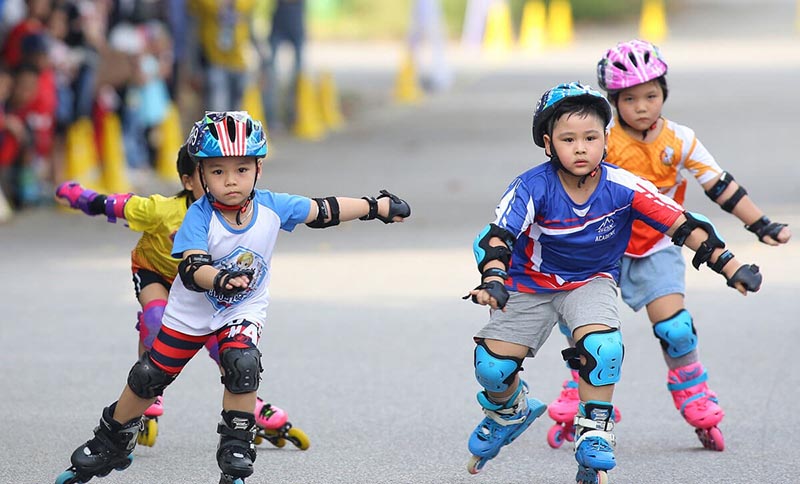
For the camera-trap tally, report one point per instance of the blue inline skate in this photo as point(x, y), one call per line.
point(594, 447)
point(109, 450)
point(502, 424)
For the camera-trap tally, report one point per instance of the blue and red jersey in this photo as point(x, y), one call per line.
point(562, 245)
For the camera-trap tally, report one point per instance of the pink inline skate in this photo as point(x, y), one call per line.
point(697, 403)
point(149, 430)
point(273, 425)
point(563, 410)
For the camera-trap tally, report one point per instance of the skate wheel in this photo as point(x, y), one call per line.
point(569, 434)
point(475, 464)
point(298, 438)
point(147, 436)
point(555, 436)
point(258, 440)
point(67, 477)
point(591, 476)
point(711, 439)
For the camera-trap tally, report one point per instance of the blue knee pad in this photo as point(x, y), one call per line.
point(495, 372)
point(677, 334)
point(603, 351)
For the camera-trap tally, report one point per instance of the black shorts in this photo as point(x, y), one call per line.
point(143, 278)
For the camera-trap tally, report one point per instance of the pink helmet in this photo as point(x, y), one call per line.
point(629, 64)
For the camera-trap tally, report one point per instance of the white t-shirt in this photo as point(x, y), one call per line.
point(249, 248)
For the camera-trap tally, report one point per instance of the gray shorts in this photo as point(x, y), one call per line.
point(529, 318)
point(643, 280)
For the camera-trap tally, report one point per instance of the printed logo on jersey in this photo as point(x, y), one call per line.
point(240, 259)
point(606, 230)
point(666, 155)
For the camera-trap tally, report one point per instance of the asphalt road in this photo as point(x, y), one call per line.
point(368, 344)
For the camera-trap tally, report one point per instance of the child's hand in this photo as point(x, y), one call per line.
point(769, 232)
point(746, 278)
point(392, 208)
point(229, 283)
point(492, 293)
point(782, 237)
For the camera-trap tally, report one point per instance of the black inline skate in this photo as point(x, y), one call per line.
point(236, 451)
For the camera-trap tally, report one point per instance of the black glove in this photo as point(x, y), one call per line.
point(495, 289)
point(224, 276)
point(748, 276)
point(397, 207)
point(765, 227)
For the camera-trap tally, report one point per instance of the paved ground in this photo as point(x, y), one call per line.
point(369, 345)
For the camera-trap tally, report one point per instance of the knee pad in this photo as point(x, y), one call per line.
point(150, 322)
point(495, 373)
point(603, 351)
point(242, 369)
point(677, 334)
point(146, 379)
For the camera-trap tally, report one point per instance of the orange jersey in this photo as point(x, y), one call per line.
point(663, 162)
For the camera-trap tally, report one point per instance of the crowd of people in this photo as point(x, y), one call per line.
point(64, 61)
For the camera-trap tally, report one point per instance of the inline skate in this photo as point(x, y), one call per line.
point(236, 452)
point(563, 410)
point(697, 403)
point(594, 447)
point(503, 423)
point(110, 449)
point(273, 425)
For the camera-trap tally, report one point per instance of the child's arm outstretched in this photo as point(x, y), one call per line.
point(91, 202)
point(696, 232)
point(733, 198)
point(199, 275)
point(328, 212)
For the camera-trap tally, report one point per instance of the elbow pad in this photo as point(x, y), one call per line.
point(485, 252)
point(714, 240)
point(722, 184)
point(189, 266)
point(322, 213)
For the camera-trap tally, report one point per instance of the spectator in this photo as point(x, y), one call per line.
point(288, 25)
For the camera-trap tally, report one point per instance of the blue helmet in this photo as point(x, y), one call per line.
point(227, 133)
point(553, 97)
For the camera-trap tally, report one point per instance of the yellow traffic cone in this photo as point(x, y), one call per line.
point(251, 102)
point(171, 141)
point(498, 36)
point(80, 157)
point(559, 23)
point(307, 125)
point(532, 29)
point(406, 86)
point(115, 176)
point(653, 22)
point(330, 109)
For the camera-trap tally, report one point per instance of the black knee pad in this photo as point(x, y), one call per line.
point(146, 379)
point(242, 369)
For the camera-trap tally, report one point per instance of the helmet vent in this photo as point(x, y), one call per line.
point(633, 59)
point(620, 66)
point(230, 125)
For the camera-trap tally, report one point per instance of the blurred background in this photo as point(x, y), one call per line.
point(105, 91)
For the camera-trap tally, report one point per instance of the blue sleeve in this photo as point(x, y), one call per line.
point(512, 211)
point(193, 234)
point(292, 209)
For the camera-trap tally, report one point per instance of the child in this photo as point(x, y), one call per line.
point(225, 243)
point(154, 269)
point(551, 254)
point(652, 276)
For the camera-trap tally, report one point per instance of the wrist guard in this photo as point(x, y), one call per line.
point(714, 240)
point(494, 272)
point(748, 276)
point(765, 227)
point(397, 207)
point(722, 260)
point(373, 208)
point(495, 289)
point(224, 276)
